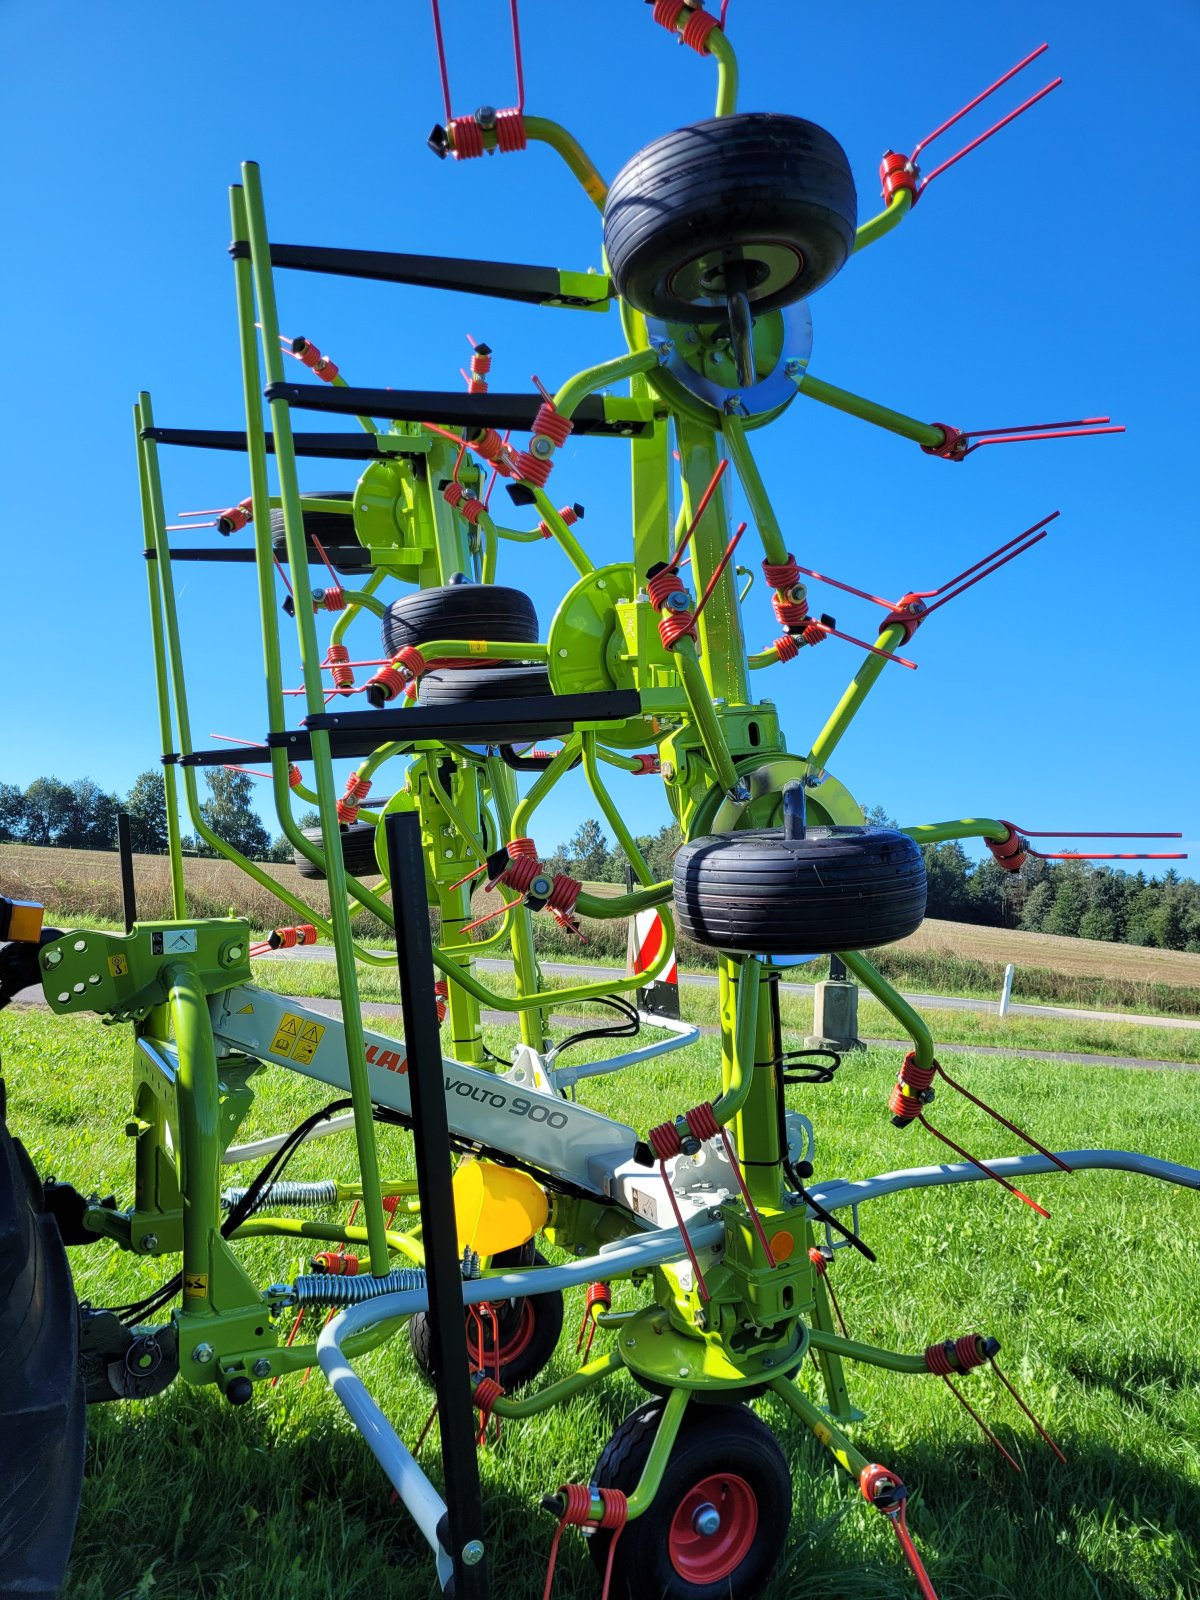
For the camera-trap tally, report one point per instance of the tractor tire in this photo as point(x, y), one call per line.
point(460, 611)
point(836, 888)
point(358, 851)
point(725, 1463)
point(43, 1418)
point(452, 686)
point(329, 528)
point(769, 192)
point(529, 1330)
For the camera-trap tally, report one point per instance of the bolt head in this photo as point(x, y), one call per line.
point(541, 446)
point(683, 1372)
point(472, 1552)
point(203, 1353)
point(707, 1520)
point(261, 1368)
point(148, 1242)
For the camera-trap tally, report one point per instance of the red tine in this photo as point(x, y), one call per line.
point(516, 29)
point(720, 568)
point(441, 53)
point(873, 648)
point(986, 573)
point(978, 100)
point(1083, 833)
point(700, 510)
point(928, 594)
point(1036, 427)
point(1030, 438)
point(848, 587)
point(995, 128)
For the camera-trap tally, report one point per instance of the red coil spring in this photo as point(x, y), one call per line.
point(334, 598)
point(523, 865)
point(911, 1084)
point(390, 681)
point(786, 647)
point(702, 1122)
point(564, 892)
point(510, 129)
point(551, 424)
point(813, 633)
point(568, 514)
point(295, 777)
point(598, 1294)
point(696, 31)
point(487, 1392)
point(341, 1263)
point(287, 938)
point(1009, 853)
point(662, 585)
point(897, 172)
point(820, 1265)
point(665, 1141)
point(357, 790)
point(490, 446)
point(466, 137)
point(672, 629)
point(668, 12)
point(411, 661)
point(453, 494)
point(534, 469)
point(235, 518)
point(336, 658)
point(791, 610)
point(968, 1353)
point(577, 1506)
point(481, 365)
point(312, 358)
point(784, 576)
point(467, 507)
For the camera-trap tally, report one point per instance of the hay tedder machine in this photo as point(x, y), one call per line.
point(427, 755)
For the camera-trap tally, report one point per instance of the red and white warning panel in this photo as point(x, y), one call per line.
point(646, 938)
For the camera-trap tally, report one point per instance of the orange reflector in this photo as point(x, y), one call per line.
point(782, 1245)
point(20, 919)
point(496, 1208)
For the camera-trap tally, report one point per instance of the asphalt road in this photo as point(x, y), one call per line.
point(929, 1002)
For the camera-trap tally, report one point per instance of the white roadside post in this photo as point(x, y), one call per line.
point(1006, 991)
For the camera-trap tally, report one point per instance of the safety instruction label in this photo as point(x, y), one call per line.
point(297, 1039)
point(118, 966)
point(173, 942)
point(477, 647)
point(195, 1283)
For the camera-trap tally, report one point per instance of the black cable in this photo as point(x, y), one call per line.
point(631, 1028)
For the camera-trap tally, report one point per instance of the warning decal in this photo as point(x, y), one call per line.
point(195, 1283)
point(118, 966)
point(297, 1038)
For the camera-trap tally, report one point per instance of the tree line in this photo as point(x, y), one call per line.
point(1067, 897)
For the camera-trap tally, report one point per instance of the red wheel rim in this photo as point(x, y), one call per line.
point(700, 1557)
point(512, 1345)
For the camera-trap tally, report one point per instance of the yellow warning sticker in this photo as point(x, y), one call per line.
point(822, 1432)
point(195, 1283)
point(306, 1045)
point(244, 1011)
point(477, 647)
point(296, 1038)
point(118, 966)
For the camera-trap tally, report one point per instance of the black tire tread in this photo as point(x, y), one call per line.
point(335, 533)
point(460, 611)
point(358, 851)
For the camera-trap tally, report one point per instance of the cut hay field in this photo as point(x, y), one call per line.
point(947, 958)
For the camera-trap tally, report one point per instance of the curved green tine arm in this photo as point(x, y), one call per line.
point(355, 602)
point(607, 908)
point(965, 828)
point(708, 726)
point(573, 153)
point(571, 547)
point(599, 377)
point(360, 599)
point(895, 213)
point(565, 1389)
point(854, 405)
point(856, 692)
point(745, 1031)
point(761, 510)
point(871, 978)
point(518, 535)
point(614, 758)
point(481, 649)
point(491, 547)
point(542, 786)
point(721, 50)
point(762, 658)
point(822, 1425)
point(852, 1350)
point(632, 854)
point(330, 1232)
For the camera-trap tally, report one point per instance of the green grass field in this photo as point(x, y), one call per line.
point(1095, 1309)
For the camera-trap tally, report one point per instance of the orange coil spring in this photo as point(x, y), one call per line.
point(481, 365)
point(564, 892)
point(341, 1264)
point(702, 1122)
point(786, 575)
point(466, 136)
point(336, 658)
point(820, 1265)
point(696, 31)
point(490, 446)
point(668, 12)
point(791, 610)
point(411, 661)
point(357, 790)
point(568, 514)
point(295, 777)
point(312, 358)
point(912, 1083)
point(672, 629)
point(551, 424)
point(598, 1294)
point(390, 681)
point(1008, 853)
point(534, 469)
point(510, 129)
point(968, 1352)
point(519, 874)
point(334, 598)
point(662, 585)
point(442, 990)
point(786, 647)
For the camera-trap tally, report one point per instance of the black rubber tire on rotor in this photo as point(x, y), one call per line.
point(718, 191)
point(43, 1414)
point(450, 686)
point(334, 532)
point(542, 1334)
point(460, 611)
point(358, 851)
point(837, 888)
point(712, 1440)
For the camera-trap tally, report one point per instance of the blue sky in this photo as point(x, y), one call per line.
point(1052, 274)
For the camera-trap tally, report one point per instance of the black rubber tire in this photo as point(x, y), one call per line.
point(43, 1414)
point(537, 1320)
point(838, 888)
point(452, 686)
point(335, 533)
point(712, 1441)
point(358, 851)
point(772, 191)
point(460, 611)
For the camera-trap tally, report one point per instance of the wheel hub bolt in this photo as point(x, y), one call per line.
point(707, 1520)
